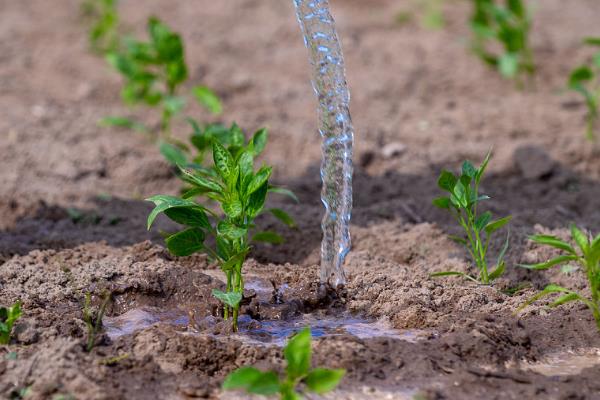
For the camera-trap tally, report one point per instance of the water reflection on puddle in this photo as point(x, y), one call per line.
point(264, 332)
point(564, 363)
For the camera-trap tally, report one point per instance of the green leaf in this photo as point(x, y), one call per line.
point(468, 169)
point(207, 98)
point(447, 181)
point(322, 380)
point(236, 136)
point(241, 378)
point(483, 220)
point(123, 122)
point(256, 201)
point(483, 167)
point(458, 239)
point(259, 141)
point(232, 299)
point(298, 354)
point(283, 217)
point(223, 160)
point(508, 65)
point(442, 202)
point(550, 263)
point(195, 179)
point(564, 299)
point(554, 242)
point(593, 41)
point(232, 207)
point(186, 242)
point(194, 216)
point(552, 288)
point(497, 224)
point(259, 180)
point(284, 192)
point(267, 237)
point(164, 202)
point(579, 75)
point(580, 238)
point(497, 273)
point(452, 273)
point(230, 231)
point(173, 154)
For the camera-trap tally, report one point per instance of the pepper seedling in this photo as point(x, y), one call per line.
point(462, 203)
point(103, 33)
point(505, 25)
point(241, 192)
point(8, 317)
point(587, 256)
point(584, 80)
point(298, 371)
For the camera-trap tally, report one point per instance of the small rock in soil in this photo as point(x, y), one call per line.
point(533, 162)
point(394, 149)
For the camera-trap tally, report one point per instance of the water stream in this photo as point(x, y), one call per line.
point(335, 126)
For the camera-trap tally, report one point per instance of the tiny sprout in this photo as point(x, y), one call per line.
point(298, 371)
point(462, 203)
point(8, 317)
point(587, 255)
point(93, 320)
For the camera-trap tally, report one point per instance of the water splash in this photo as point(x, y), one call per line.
point(335, 127)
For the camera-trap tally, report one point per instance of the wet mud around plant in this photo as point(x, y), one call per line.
point(72, 219)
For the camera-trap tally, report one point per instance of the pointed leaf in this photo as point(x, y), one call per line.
point(550, 263)
point(173, 154)
point(442, 202)
point(483, 220)
point(257, 201)
point(554, 242)
point(198, 180)
point(207, 98)
point(190, 215)
point(564, 299)
point(186, 242)
point(259, 141)
point(497, 224)
point(580, 238)
point(261, 177)
point(298, 354)
point(322, 380)
point(447, 180)
point(164, 202)
point(231, 231)
point(232, 299)
point(223, 160)
point(285, 192)
point(267, 237)
point(468, 169)
point(283, 217)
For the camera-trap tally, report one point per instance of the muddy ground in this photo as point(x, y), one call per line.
point(416, 91)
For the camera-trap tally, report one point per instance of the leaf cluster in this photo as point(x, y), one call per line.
point(298, 371)
point(103, 33)
point(462, 201)
point(586, 254)
point(8, 317)
point(508, 25)
point(584, 80)
point(241, 192)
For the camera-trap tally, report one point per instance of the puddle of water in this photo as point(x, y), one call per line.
point(276, 332)
point(565, 363)
point(141, 318)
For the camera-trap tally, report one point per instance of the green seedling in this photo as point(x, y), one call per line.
point(8, 317)
point(241, 192)
point(585, 80)
point(93, 318)
point(298, 371)
point(462, 203)
point(103, 33)
point(506, 26)
point(153, 74)
point(586, 255)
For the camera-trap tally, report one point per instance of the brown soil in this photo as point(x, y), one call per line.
point(413, 89)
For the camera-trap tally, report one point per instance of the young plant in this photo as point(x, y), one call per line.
point(298, 371)
point(587, 255)
point(462, 203)
point(93, 319)
point(153, 74)
point(505, 25)
point(241, 192)
point(8, 317)
point(585, 80)
point(103, 33)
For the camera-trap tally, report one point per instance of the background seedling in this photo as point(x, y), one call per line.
point(297, 353)
point(93, 318)
point(8, 317)
point(241, 193)
point(508, 26)
point(584, 80)
point(587, 256)
point(462, 203)
point(103, 33)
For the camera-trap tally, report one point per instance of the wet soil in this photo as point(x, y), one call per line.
point(72, 219)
